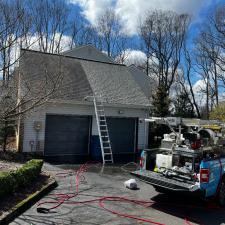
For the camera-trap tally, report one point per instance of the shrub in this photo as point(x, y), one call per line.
point(10, 181)
point(7, 183)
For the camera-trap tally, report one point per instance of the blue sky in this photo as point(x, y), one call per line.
point(131, 11)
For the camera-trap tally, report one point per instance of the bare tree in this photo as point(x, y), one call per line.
point(112, 36)
point(184, 79)
point(108, 28)
point(217, 38)
point(49, 23)
point(210, 53)
point(163, 34)
point(13, 26)
point(28, 90)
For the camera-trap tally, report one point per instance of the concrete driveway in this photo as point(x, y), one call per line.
point(167, 209)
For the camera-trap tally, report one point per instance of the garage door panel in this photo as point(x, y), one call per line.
point(122, 134)
point(67, 135)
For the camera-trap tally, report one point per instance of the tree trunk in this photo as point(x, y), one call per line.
point(4, 137)
point(207, 99)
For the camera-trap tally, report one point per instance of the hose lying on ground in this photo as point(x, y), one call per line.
point(67, 198)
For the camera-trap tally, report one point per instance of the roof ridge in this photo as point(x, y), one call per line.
point(73, 57)
point(78, 47)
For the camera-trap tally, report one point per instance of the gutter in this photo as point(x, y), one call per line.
point(90, 103)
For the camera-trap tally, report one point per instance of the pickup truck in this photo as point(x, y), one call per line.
point(193, 169)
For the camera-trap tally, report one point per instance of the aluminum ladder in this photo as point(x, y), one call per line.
point(106, 149)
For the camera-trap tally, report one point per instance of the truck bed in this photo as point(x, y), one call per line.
point(157, 179)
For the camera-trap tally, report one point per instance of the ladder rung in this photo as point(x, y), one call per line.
point(103, 125)
point(107, 153)
point(107, 147)
point(106, 141)
point(104, 136)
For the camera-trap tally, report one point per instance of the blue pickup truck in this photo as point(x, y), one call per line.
point(188, 166)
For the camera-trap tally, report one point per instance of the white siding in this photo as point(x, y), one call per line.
point(30, 135)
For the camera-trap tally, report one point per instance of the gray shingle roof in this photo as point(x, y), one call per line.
point(144, 81)
point(115, 83)
point(88, 52)
point(38, 69)
point(83, 78)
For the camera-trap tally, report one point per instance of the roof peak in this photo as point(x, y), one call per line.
point(89, 52)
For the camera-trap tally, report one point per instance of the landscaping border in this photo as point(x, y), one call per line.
point(27, 203)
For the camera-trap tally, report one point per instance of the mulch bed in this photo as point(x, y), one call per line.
point(12, 200)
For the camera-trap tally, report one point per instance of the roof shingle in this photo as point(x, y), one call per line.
point(82, 78)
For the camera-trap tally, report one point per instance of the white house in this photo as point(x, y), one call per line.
point(65, 128)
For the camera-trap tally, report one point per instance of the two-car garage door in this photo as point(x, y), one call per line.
point(70, 135)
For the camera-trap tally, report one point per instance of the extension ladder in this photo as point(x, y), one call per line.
point(106, 149)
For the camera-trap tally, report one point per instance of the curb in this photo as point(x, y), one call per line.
point(27, 203)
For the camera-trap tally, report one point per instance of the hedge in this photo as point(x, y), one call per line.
point(10, 181)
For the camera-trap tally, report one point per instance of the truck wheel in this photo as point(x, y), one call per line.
point(221, 194)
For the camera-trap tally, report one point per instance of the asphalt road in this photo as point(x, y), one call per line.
point(166, 209)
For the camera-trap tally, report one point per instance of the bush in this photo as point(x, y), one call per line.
point(10, 181)
point(12, 156)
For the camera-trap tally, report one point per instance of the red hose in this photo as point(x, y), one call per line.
point(62, 198)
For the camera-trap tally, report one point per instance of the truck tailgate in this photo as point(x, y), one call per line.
point(157, 179)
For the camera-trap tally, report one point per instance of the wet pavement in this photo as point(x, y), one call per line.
point(167, 209)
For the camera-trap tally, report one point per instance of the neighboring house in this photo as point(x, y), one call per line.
point(68, 128)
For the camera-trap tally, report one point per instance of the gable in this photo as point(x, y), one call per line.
point(88, 52)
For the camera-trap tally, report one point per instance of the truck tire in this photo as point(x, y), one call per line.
point(221, 194)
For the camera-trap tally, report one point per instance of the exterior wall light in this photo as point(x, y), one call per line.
point(120, 112)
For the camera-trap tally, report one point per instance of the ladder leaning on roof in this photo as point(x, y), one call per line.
point(106, 149)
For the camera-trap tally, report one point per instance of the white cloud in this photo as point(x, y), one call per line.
point(131, 11)
point(32, 43)
point(92, 9)
point(199, 86)
point(136, 57)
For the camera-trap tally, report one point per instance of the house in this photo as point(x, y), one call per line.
point(65, 128)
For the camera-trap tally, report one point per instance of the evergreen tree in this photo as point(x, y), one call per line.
point(161, 102)
point(183, 107)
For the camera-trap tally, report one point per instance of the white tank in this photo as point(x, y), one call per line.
point(163, 161)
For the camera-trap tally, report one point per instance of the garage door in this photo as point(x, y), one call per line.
point(67, 135)
point(122, 134)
